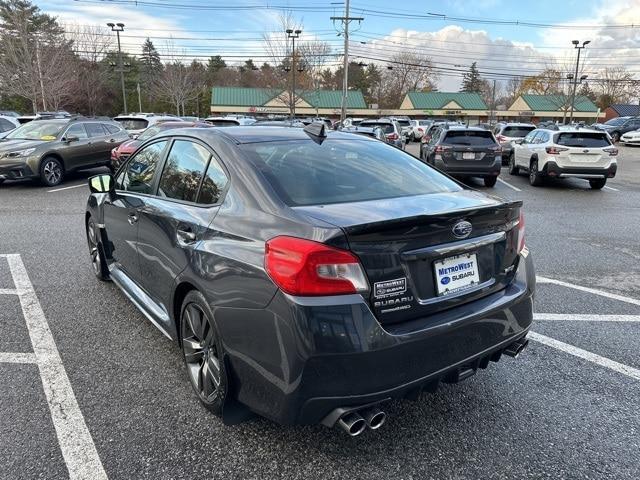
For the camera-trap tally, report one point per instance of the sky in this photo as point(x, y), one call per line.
point(452, 33)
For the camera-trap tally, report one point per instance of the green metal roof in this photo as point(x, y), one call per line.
point(256, 97)
point(437, 100)
point(553, 103)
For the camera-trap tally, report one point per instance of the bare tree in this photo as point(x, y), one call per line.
point(408, 72)
point(177, 83)
point(314, 56)
point(616, 84)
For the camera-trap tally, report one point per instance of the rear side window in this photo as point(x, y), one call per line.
point(111, 128)
point(518, 132)
point(138, 174)
point(214, 183)
point(95, 129)
point(132, 123)
point(183, 171)
point(340, 171)
point(481, 138)
point(582, 139)
point(386, 127)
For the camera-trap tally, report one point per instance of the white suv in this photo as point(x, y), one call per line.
point(573, 152)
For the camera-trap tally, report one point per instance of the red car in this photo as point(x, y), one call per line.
point(120, 154)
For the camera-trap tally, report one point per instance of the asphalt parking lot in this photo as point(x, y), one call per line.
point(91, 389)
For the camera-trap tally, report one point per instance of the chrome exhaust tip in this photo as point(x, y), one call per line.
point(374, 417)
point(516, 347)
point(352, 423)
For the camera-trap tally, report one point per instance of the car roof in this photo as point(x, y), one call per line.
point(517, 124)
point(458, 128)
point(380, 120)
point(255, 134)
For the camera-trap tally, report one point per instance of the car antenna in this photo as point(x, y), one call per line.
point(317, 131)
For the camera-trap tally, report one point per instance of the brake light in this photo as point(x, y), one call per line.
point(521, 232)
point(305, 268)
point(501, 138)
point(555, 150)
point(496, 148)
point(611, 151)
point(426, 138)
point(441, 149)
point(420, 129)
point(392, 136)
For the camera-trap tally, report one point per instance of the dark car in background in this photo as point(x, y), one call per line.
point(392, 131)
point(311, 277)
point(373, 132)
point(507, 133)
point(464, 151)
point(122, 152)
point(49, 149)
point(616, 127)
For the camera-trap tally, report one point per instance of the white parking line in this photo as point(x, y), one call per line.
point(8, 291)
point(66, 188)
point(613, 296)
point(573, 317)
point(75, 441)
point(6, 357)
point(509, 185)
point(611, 188)
point(586, 355)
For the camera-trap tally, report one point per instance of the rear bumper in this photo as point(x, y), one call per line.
point(313, 355)
point(552, 169)
point(480, 169)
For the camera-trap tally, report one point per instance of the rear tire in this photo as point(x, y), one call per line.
point(513, 168)
point(51, 172)
point(535, 177)
point(490, 182)
point(597, 183)
point(202, 352)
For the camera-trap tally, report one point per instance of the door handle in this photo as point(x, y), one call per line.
point(111, 140)
point(185, 235)
point(132, 218)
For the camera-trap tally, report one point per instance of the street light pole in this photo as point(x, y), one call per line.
point(293, 34)
point(576, 44)
point(119, 27)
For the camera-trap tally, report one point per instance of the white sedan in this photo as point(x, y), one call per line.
point(631, 138)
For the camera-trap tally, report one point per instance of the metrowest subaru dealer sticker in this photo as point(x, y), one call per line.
point(390, 287)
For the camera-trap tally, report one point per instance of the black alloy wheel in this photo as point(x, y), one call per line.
point(96, 251)
point(202, 352)
point(51, 172)
point(535, 177)
point(513, 168)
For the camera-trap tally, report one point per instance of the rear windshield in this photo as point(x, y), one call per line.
point(403, 123)
point(616, 121)
point(424, 122)
point(386, 127)
point(519, 132)
point(132, 123)
point(582, 139)
point(223, 123)
point(340, 171)
point(463, 137)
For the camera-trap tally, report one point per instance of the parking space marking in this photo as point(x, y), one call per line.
point(8, 291)
point(509, 185)
point(7, 357)
point(613, 296)
point(78, 450)
point(579, 317)
point(586, 355)
point(66, 188)
point(611, 188)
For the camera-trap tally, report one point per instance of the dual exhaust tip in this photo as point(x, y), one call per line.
point(356, 422)
point(516, 347)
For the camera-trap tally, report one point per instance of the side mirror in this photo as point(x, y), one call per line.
point(71, 138)
point(101, 183)
point(519, 141)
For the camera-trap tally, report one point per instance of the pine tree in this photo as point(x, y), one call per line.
point(150, 59)
point(471, 80)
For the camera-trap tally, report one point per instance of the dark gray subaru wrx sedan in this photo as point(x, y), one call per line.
point(309, 277)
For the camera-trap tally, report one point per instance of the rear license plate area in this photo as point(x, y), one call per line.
point(456, 274)
point(468, 156)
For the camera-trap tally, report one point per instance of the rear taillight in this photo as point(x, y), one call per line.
point(305, 268)
point(501, 138)
point(392, 136)
point(555, 150)
point(426, 138)
point(496, 148)
point(420, 130)
point(521, 232)
point(613, 152)
point(442, 149)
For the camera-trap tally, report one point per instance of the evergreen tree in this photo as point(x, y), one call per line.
point(471, 80)
point(150, 59)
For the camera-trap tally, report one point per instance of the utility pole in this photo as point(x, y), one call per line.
point(576, 44)
point(119, 27)
point(493, 101)
point(139, 98)
point(346, 20)
point(293, 34)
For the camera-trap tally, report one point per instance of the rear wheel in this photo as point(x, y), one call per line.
point(51, 171)
point(513, 168)
point(202, 352)
point(535, 177)
point(597, 183)
point(96, 251)
point(490, 181)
